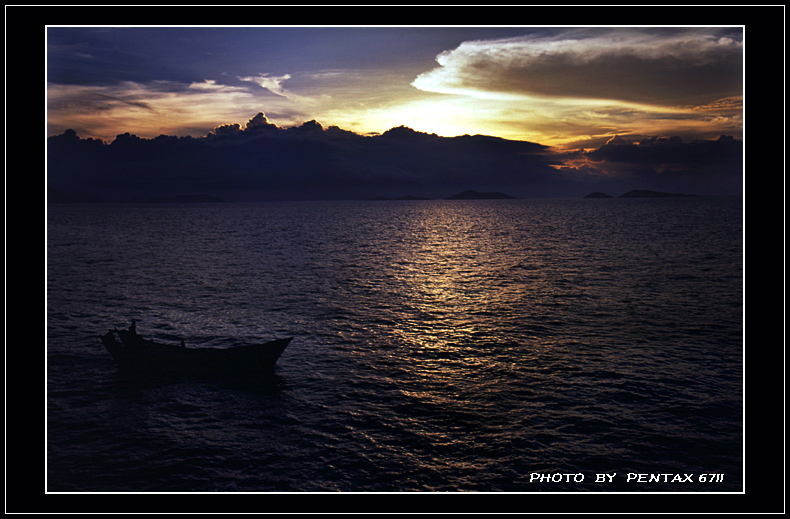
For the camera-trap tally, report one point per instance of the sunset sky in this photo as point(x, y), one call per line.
point(575, 87)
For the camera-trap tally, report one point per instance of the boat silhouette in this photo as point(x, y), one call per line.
point(133, 353)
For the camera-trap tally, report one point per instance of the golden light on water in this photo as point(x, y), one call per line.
point(440, 273)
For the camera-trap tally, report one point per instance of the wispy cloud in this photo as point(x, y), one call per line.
point(273, 84)
point(99, 110)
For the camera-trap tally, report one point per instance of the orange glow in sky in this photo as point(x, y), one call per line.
point(572, 87)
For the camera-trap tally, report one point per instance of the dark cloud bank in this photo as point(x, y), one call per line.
point(262, 161)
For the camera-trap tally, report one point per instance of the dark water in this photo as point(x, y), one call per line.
point(438, 345)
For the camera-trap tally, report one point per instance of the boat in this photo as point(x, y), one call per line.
point(133, 353)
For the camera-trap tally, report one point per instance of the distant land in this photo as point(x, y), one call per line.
point(471, 194)
point(407, 197)
point(640, 193)
point(644, 193)
point(56, 197)
point(180, 199)
point(598, 194)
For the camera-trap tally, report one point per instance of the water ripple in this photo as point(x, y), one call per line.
point(439, 346)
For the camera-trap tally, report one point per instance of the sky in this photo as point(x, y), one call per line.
point(557, 86)
point(579, 91)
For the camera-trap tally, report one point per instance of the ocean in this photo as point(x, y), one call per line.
point(504, 346)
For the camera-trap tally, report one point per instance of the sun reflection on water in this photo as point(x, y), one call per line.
point(448, 274)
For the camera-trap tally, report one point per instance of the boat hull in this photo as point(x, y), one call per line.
point(135, 354)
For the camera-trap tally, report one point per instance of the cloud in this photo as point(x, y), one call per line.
point(129, 102)
point(208, 85)
point(259, 122)
point(663, 163)
point(648, 66)
point(179, 108)
point(262, 161)
point(272, 84)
